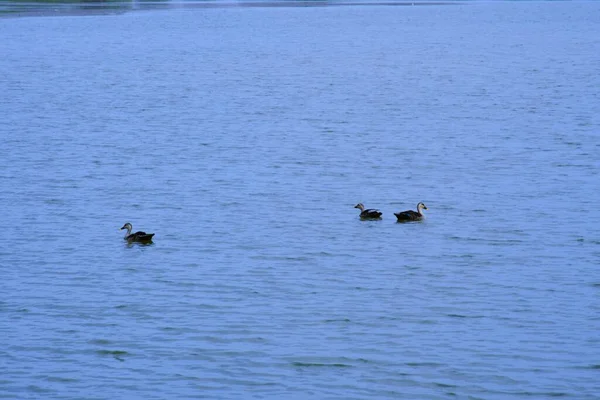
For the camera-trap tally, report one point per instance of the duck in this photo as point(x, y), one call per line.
point(140, 237)
point(410, 215)
point(369, 213)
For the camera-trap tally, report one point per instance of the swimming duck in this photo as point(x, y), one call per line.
point(369, 213)
point(410, 215)
point(141, 237)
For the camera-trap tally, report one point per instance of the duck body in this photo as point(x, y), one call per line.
point(368, 213)
point(139, 236)
point(410, 215)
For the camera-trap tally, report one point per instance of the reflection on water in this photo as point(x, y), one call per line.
point(52, 7)
point(79, 7)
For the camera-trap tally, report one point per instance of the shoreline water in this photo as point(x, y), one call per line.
point(18, 9)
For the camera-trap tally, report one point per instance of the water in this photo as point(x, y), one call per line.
point(243, 137)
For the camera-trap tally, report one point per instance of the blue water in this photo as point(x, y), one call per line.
point(243, 137)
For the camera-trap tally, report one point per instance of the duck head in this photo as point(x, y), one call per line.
point(360, 206)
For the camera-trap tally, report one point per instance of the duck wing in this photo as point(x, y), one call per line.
point(407, 215)
point(370, 213)
point(140, 236)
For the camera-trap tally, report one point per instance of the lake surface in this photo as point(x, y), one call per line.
point(243, 137)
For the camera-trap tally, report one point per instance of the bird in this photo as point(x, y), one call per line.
point(140, 237)
point(410, 215)
point(369, 213)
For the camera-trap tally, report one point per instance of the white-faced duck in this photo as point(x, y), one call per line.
point(139, 237)
point(369, 213)
point(410, 215)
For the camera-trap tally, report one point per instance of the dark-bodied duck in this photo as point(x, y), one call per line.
point(410, 215)
point(369, 213)
point(140, 237)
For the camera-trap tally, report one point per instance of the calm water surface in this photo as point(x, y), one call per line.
point(243, 137)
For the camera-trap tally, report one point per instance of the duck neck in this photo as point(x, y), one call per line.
point(419, 209)
point(128, 231)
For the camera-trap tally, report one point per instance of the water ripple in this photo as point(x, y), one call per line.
point(246, 158)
